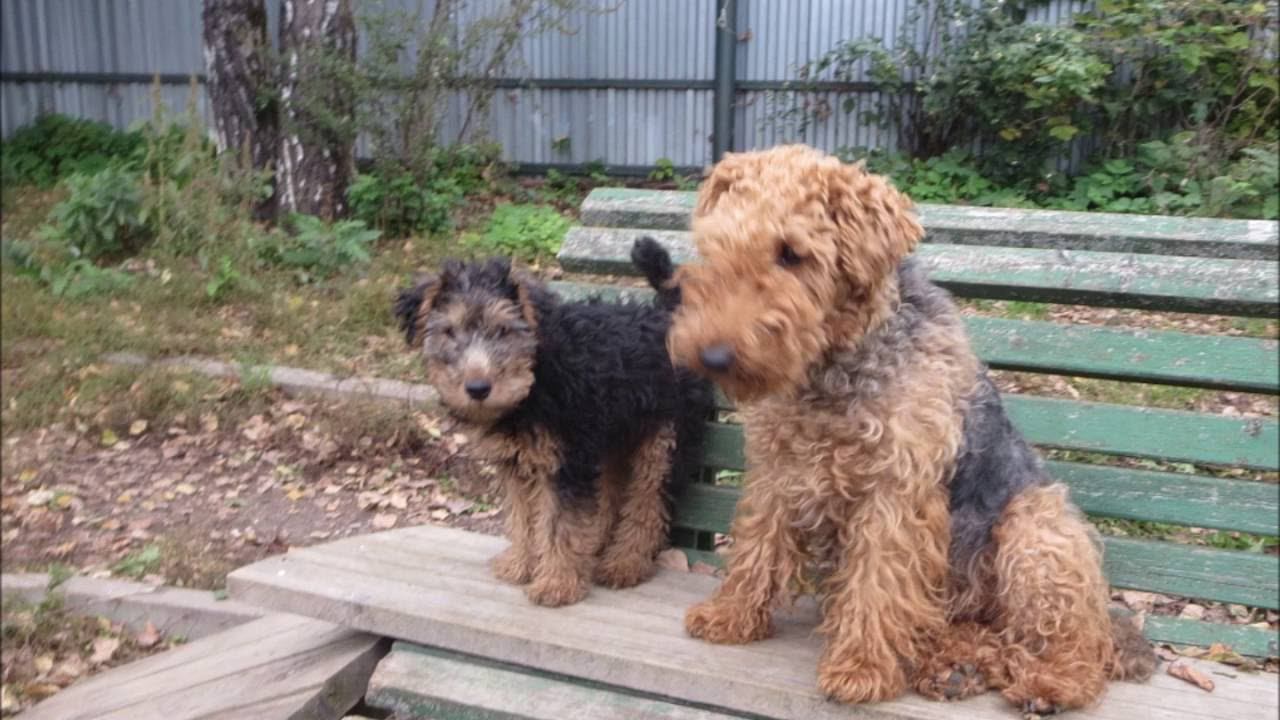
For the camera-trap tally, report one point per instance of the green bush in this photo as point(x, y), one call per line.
point(57, 146)
point(72, 278)
point(102, 216)
point(1168, 177)
point(314, 249)
point(398, 206)
point(522, 230)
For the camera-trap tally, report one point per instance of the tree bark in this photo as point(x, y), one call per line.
point(317, 143)
point(241, 85)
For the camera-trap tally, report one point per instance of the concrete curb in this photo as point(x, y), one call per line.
point(173, 611)
point(294, 380)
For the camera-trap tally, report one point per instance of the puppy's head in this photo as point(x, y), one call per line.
point(476, 325)
point(798, 252)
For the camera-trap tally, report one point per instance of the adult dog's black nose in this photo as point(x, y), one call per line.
point(717, 357)
point(478, 389)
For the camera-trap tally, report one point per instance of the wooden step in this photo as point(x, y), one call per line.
point(415, 681)
point(1104, 279)
point(1135, 355)
point(1004, 227)
point(281, 666)
point(431, 585)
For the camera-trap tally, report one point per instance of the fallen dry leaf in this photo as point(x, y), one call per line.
point(43, 663)
point(185, 488)
point(398, 501)
point(1193, 612)
point(39, 691)
point(138, 427)
point(104, 648)
point(69, 671)
point(702, 568)
point(1182, 671)
point(148, 637)
point(109, 438)
point(384, 521)
point(674, 559)
point(8, 700)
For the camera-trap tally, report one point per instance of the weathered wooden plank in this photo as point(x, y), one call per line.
point(1183, 570)
point(1191, 500)
point(1005, 227)
point(1137, 355)
point(1156, 282)
point(1130, 430)
point(628, 638)
point(421, 682)
point(281, 666)
point(1253, 641)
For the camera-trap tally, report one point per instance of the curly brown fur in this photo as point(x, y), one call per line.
point(877, 447)
point(578, 407)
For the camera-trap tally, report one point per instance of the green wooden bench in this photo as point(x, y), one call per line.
point(472, 647)
point(1185, 265)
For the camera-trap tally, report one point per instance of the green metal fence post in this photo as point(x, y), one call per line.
point(726, 57)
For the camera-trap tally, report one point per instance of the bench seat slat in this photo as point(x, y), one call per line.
point(1191, 500)
point(1185, 570)
point(1130, 430)
point(1004, 227)
point(1147, 356)
point(1175, 284)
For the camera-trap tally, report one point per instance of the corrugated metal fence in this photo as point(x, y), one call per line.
point(626, 86)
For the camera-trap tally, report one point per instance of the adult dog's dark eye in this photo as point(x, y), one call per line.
point(787, 257)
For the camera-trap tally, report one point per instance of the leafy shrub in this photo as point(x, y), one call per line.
point(1207, 66)
point(952, 178)
point(71, 278)
point(399, 206)
point(57, 146)
point(1020, 90)
point(1166, 177)
point(522, 230)
point(102, 215)
point(315, 249)
point(193, 198)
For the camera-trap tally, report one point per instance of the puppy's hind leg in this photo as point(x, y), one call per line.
point(643, 515)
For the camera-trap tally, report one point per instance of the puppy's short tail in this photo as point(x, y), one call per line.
point(654, 262)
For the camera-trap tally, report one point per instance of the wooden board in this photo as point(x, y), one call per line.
point(1006, 227)
point(281, 666)
point(1182, 570)
point(1171, 435)
point(1130, 354)
point(1103, 279)
point(1191, 500)
point(431, 585)
point(414, 681)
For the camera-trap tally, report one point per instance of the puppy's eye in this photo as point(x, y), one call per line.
point(787, 257)
point(449, 333)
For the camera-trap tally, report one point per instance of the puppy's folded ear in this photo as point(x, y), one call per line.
point(529, 294)
point(413, 304)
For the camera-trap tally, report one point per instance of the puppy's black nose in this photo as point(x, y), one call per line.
point(478, 389)
point(717, 357)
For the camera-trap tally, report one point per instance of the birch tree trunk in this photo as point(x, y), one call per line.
point(317, 143)
point(241, 85)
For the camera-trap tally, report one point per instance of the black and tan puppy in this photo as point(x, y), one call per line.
point(579, 408)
